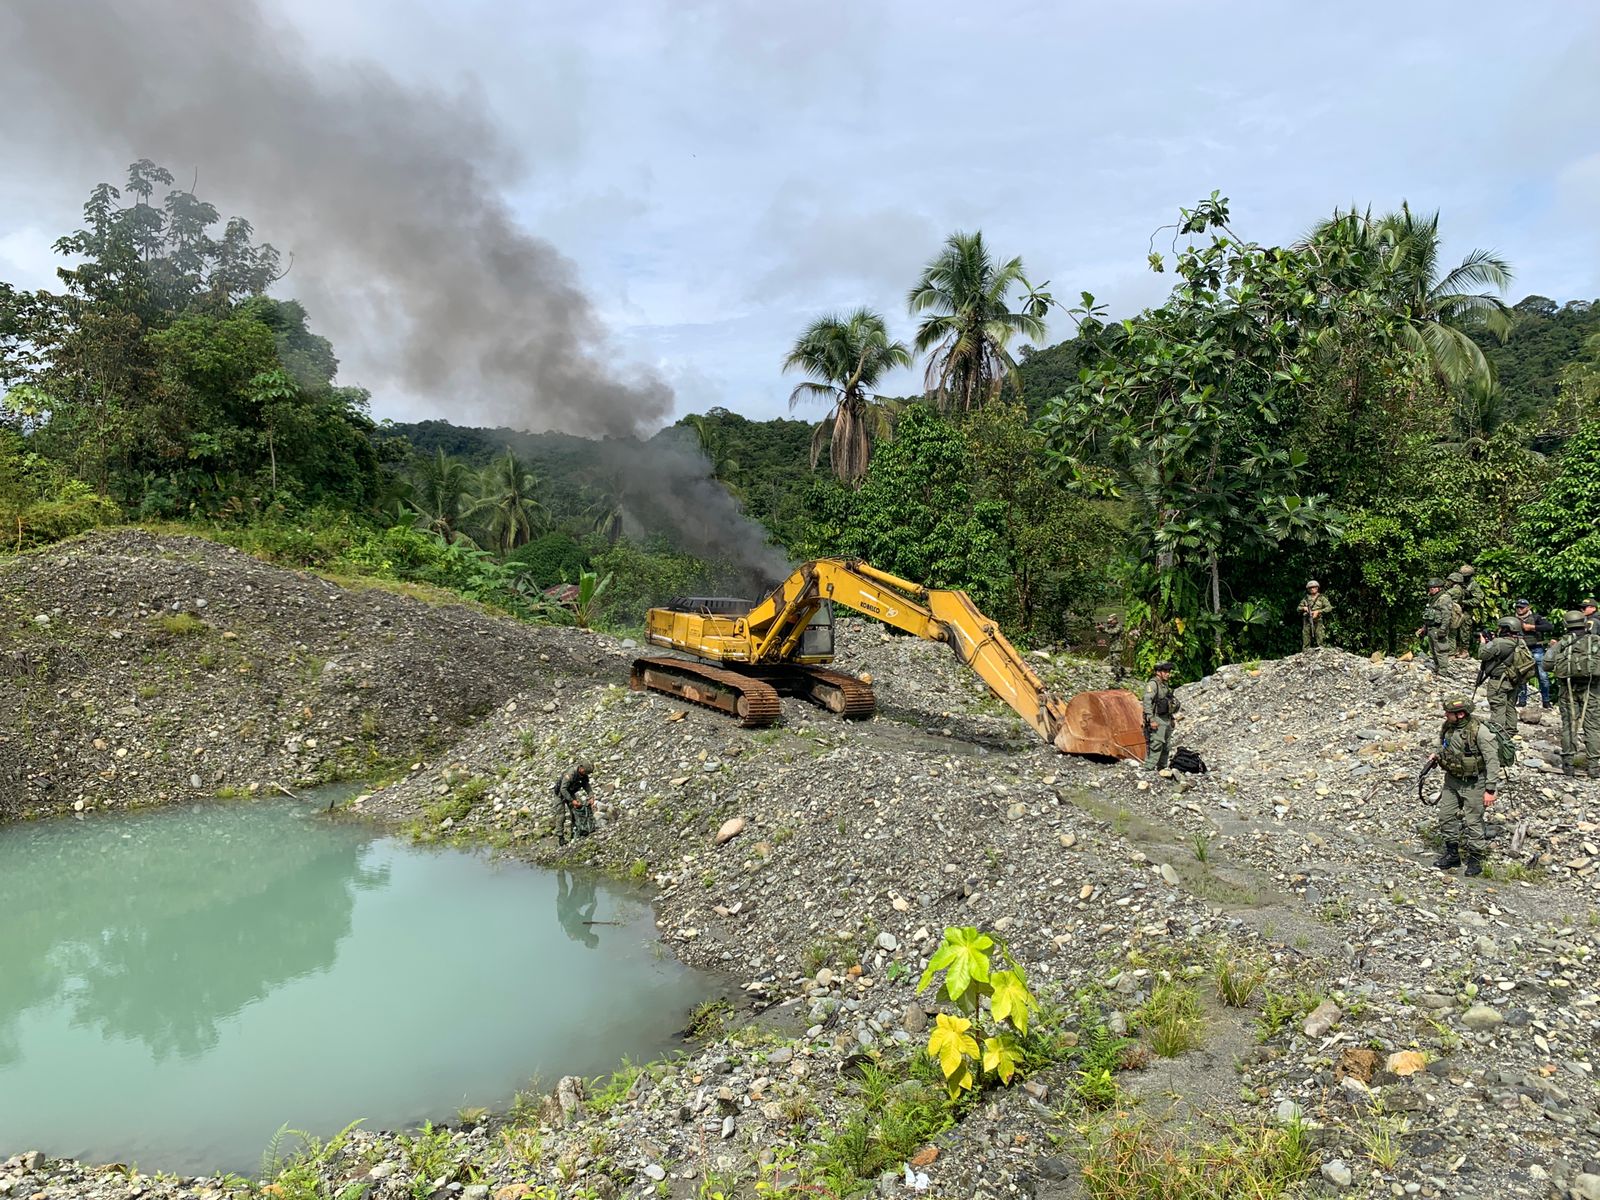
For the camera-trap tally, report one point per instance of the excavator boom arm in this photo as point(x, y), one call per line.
point(934, 614)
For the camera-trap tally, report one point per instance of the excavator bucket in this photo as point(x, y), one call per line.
point(1107, 723)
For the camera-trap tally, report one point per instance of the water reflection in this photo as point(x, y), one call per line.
point(575, 907)
point(197, 923)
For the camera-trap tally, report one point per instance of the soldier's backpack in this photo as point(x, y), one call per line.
point(1185, 759)
point(1504, 744)
point(1521, 665)
point(1578, 658)
point(1456, 618)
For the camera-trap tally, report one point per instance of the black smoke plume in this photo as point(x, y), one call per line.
point(388, 194)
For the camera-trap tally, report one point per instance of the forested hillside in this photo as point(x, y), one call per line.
point(1343, 408)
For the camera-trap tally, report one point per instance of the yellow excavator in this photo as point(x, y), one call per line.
point(742, 655)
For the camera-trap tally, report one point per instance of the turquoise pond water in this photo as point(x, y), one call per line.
point(176, 985)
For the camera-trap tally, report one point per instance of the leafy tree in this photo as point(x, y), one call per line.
point(1560, 532)
point(917, 514)
point(968, 323)
point(508, 502)
point(1181, 417)
point(1441, 310)
point(441, 493)
point(551, 558)
point(846, 356)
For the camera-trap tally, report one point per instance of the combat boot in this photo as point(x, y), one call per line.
point(1566, 767)
point(1474, 864)
point(1450, 858)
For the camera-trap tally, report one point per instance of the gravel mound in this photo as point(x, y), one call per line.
point(816, 863)
point(136, 669)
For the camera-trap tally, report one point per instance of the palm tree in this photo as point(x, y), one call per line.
point(845, 357)
point(1437, 310)
point(441, 492)
point(714, 444)
point(508, 498)
point(970, 324)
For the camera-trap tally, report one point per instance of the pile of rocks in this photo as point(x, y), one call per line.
point(818, 862)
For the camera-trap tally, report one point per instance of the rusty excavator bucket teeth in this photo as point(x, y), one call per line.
point(1109, 723)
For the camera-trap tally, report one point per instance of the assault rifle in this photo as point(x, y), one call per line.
point(1431, 764)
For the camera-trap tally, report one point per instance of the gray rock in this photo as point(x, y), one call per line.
point(1481, 1017)
point(656, 1172)
point(1586, 1187)
point(1168, 875)
point(916, 1020)
point(888, 941)
point(475, 1191)
point(727, 1127)
point(1321, 1019)
point(1336, 1173)
point(383, 1170)
point(1288, 1112)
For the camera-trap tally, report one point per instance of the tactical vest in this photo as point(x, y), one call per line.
point(1575, 656)
point(1441, 613)
point(1459, 753)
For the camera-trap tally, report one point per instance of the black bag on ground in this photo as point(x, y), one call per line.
point(1185, 759)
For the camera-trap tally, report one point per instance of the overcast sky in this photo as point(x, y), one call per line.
point(721, 173)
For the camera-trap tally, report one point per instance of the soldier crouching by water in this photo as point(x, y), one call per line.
point(571, 807)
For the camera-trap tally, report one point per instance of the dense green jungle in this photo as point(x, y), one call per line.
point(1356, 406)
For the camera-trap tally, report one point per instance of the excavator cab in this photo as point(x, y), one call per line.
point(816, 643)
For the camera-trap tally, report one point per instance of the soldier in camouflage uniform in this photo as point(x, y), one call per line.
point(1112, 627)
point(1436, 620)
point(1455, 583)
point(1587, 607)
point(1574, 663)
point(570, 807)
point(1470, 598)
point(1160, 713)
point(1314, 612)
point(1494, 670)
point(1471, 762)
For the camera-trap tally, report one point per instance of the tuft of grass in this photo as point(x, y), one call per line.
point(1237, 978)
point(638, 871)
point(607, 1096)
point(181, 624)
point(709, 1021)
point(1202, 846)
point(1279, 1010)
point(1131, 1160)
point(1170, 1019)
point(1382, 1135)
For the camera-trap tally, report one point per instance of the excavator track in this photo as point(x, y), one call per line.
point(752, 700)
point(835, 691)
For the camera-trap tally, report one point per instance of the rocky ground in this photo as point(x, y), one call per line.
point(1417, 1033)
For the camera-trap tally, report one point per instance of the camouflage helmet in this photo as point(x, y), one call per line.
point(1467, 570)
point(1457, 577)
point(1436, 582)
point(1312, 583)
point(1521, 604)
point(1587, 602)
point(1510, 625)
point(1163, 665)
point(1458, 704)
point(585, 767)
point(1576, 620)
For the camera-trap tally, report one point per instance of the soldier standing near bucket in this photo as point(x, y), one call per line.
point(1471, 762)
point(1437, 616)
point(1574, 663)
point(1161, 709)
point(1314, 612)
